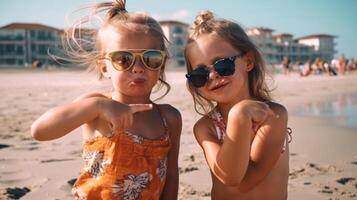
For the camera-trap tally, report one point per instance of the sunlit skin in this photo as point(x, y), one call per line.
point(128, 107)
point(249, 163)
point(134, 85)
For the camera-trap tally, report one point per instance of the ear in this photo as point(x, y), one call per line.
point(103, 68)
point(249, 58)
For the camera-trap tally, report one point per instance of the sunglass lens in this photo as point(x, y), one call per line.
point(225, 67)
point(122, 60)
point(153, 59)
point(198, 77)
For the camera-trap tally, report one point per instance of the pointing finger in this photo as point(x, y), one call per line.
point(140, 107)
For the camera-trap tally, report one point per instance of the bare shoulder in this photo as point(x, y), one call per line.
point(89, 95)
point(204, 130)
point(202, 124)
point(278, 125)
point(173, 119)
point(279, 109)
point(171, 114)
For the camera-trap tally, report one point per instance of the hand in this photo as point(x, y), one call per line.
point(120, 116)
point(254, 111)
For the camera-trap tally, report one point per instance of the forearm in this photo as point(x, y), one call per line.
point(59, 121)
point(233, 157)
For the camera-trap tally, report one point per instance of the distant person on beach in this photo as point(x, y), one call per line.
point(286, 65)
point(318, 66)
point(243, 134)
point(350, 66)
point(131, 144)
point(306, 68)
point(341, 65)
point(328, 67)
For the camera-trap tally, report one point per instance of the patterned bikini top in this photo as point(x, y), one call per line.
point(220, 127)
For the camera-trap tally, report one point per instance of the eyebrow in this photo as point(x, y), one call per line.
point(215, 59)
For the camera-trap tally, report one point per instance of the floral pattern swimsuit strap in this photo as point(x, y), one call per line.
point(219, 124)
point(164, 122)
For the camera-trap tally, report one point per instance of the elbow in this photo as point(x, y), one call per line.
point(229, 179)
point(237, 183)
point(245, 188)
point(36, 132)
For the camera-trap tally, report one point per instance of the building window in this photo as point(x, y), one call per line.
point(179, 41)
point(179, 54)
point(20, 50)
point(33, 34)
point(181, 62)
point(41, 35)
point(10, 61)
point(42, 49)
point(178, 30)
point(9, 48)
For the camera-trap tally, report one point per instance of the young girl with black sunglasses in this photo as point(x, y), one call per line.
point(131, 144)
point(243, 134)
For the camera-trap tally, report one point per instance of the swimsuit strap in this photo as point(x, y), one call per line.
point(164, 122)
point(218, 122)
point(287, 140)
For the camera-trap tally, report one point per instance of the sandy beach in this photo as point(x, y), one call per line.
point(323, 160)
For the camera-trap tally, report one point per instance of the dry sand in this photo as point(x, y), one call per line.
point(323, 161)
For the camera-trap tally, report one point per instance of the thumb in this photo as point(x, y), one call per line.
point(140, 107)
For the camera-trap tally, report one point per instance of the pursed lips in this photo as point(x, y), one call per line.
point(138, 80)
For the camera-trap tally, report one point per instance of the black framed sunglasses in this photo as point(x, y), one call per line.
point(123, 60)
point(224, 67)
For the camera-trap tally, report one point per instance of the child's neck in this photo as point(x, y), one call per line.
point(130, 99)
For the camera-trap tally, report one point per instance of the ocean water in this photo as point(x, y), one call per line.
point(340, 110)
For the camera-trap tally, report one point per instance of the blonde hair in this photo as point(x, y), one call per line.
point(83, 46)
point(231, 32)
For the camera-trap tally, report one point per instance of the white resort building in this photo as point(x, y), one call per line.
point(25, 43)
point(299, 50)
point(177, 33)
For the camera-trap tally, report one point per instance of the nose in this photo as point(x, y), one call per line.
point(138, 66)
point(212, 74)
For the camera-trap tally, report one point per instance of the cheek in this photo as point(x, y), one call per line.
point(153, 76)
point(241, 72)
point(204, 92)
point(118, 78)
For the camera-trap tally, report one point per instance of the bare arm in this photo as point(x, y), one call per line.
point(266, 148)
point(61, 120)
point(227, 161)
point(174, 120)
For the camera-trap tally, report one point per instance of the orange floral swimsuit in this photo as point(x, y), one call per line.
point(124, 166)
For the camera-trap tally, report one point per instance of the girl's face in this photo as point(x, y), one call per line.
point(137, 82)
point(205, 51)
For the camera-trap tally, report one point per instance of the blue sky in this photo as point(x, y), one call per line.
point(297, 17)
